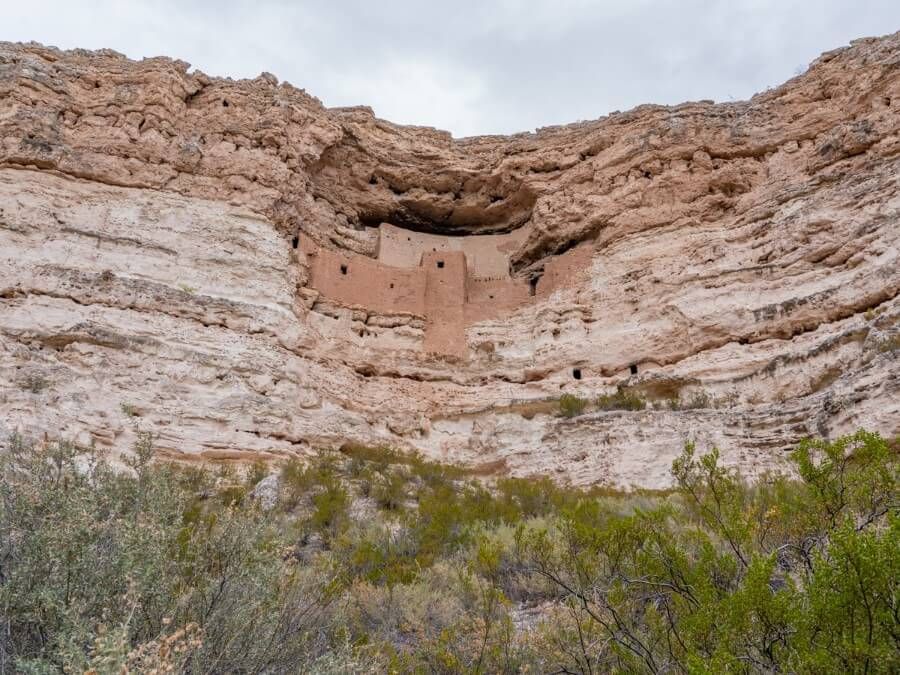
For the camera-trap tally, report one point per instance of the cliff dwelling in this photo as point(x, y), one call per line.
point(451, 282)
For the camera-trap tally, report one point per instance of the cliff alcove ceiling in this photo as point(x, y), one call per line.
point(262, 278)
point(420, 195)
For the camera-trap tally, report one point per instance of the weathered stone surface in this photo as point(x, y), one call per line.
point(266, 492)
point(740, 256)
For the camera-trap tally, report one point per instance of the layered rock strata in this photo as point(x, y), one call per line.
point(733, 265)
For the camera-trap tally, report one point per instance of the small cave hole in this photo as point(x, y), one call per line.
point(343, 269)
point(409, 239)
point(532, 285)
point(633, 369)
point(373, 180)
point(295, 242)
point(576, 373)
point(440, 264)
point(392, 285)
point(225, 103)
point(491, 297)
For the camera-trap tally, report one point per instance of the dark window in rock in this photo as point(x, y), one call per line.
point(373, 181)
point(440, 264)
point(633, 368)
point(295, 242)
point(532, 285)
point(491, 297)
point(392, 285)
point(576, 373)
point(224, 103)
point(343, 269)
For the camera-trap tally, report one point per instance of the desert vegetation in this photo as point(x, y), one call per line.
point(631, 399)
point(367, 560)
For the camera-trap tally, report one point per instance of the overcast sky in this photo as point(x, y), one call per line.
point(479, 66)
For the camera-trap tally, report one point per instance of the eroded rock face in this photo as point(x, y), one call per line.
point(741, 258)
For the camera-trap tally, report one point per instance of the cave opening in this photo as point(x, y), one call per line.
point(576, 373)
point(295, 242)
point(633, 369)
point(343, 269)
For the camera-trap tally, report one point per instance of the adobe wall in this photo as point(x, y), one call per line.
point(445, 297)
point(355, 280)
point(442, 285)
point(490, 298)
point(487, 255)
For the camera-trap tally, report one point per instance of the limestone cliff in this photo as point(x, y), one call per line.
point(160, 231)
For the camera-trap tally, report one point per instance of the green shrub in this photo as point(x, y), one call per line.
point(330, 507)
point(621, 400)
point(389, 491)
point(169, 569)
point(571, 405)
point(697, 400)
point(531, 497)
point(110, 570)
point(382, 458)
point(257, 471)
point(128, 409)
point(889, 344)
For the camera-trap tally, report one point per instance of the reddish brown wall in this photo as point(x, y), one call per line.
point(450, 297)
point(445, 295)
point(486, 255)
point(491, 298)
point(367, 283)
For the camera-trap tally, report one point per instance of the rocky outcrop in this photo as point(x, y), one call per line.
point(740, 259)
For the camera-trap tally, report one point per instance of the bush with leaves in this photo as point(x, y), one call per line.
point(571, 405)
point(623, 399)
point(152, 566)
point(784, 575)
point(96, 559)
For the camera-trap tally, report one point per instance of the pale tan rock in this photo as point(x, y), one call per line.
point(743, 256)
